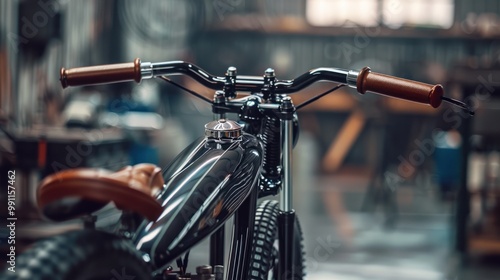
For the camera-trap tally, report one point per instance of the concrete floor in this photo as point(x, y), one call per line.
point(418, 245)
point(360, 245)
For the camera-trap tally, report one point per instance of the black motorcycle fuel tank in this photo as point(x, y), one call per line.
point(204, 186)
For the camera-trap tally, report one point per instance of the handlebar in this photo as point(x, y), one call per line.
point(363, 80)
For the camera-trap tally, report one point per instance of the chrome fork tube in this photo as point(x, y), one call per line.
point(286, 194)
point(286, 215)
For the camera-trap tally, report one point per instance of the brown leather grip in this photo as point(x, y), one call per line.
point(102, 74)
point(398, 87)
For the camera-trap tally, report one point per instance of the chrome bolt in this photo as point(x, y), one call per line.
point(269, 73)
point(286, 99)
point(219, 272)
point(286, 103)
point(231, 71)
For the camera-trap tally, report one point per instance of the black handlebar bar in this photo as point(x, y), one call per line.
point(72, 77)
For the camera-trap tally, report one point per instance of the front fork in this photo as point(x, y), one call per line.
point(286, 216)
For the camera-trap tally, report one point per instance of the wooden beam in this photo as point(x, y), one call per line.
point(342, 144)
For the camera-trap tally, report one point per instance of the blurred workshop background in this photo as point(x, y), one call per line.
point(385, 189)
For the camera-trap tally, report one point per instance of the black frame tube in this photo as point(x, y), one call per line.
point(217, 247)
point(241, 241)
point(286, 238)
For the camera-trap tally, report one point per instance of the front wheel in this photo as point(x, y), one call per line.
point(265, 248)
point(80, 255)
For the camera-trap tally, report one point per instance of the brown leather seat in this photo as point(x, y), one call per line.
point(77, 192)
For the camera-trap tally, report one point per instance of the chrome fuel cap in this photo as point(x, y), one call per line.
point(223, 130)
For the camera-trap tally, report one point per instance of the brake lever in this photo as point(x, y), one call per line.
point(459, 104)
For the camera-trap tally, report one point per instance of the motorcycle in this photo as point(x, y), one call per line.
point(220, 175)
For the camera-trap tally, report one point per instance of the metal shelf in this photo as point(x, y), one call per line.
point(298, 26)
